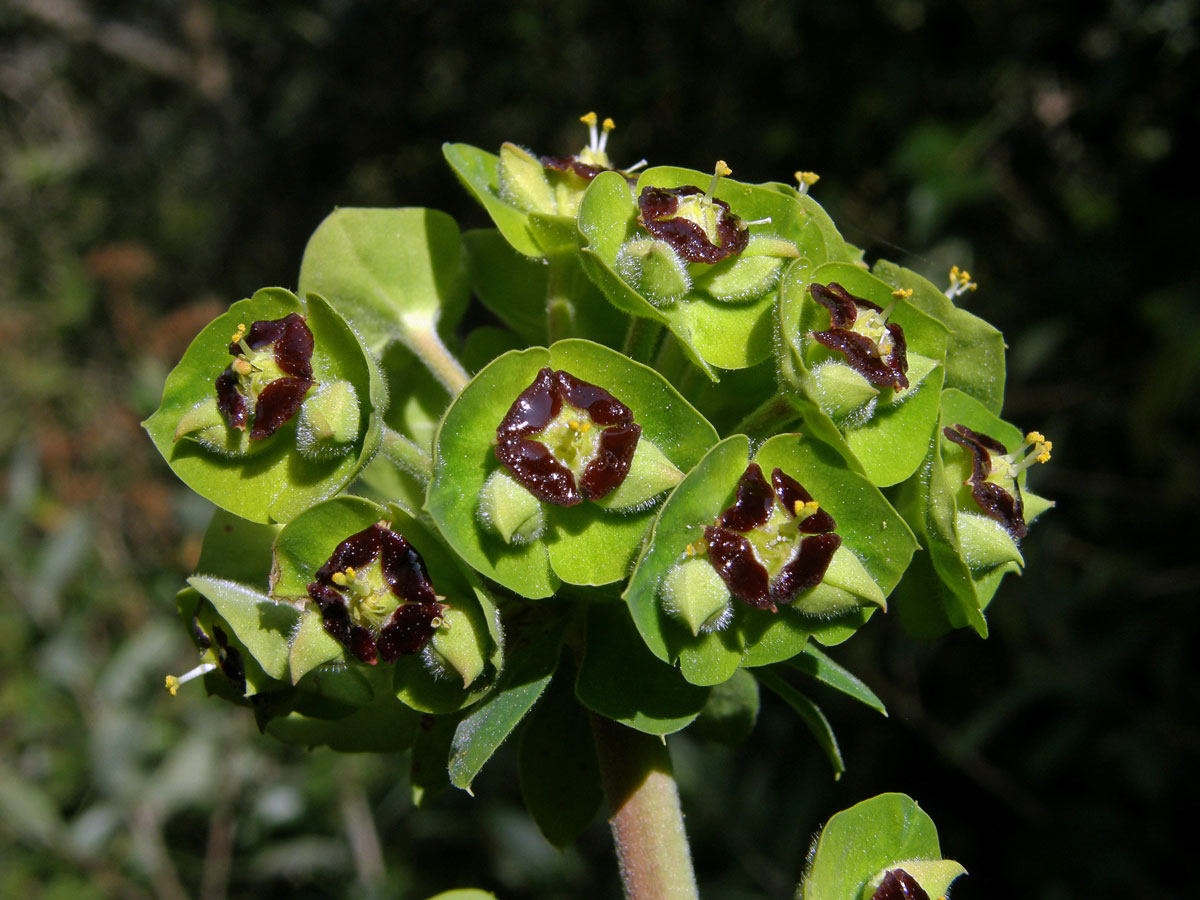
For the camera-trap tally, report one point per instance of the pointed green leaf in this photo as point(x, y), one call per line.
point(816, 664)
point(810, 714)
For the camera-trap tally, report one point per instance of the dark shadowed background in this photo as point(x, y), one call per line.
point(161, 160)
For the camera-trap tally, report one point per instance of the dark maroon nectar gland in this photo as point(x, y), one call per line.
point(773, 542)
point(860, 331)
point(697, 226)
point(994, 472)
point(899, 885)
point(271, 373)
point(375, 596)
point(567, 440)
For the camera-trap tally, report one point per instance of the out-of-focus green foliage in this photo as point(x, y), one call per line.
point(158, 161)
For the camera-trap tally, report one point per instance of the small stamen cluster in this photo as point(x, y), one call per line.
point(567, 440)
point(860, 331)
point(960, 282)
point(592, 159)
point(271, 372)
point(994, 472)
point(375, 596)
point(773, 542)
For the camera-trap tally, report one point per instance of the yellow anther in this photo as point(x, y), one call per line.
point(723, 168)
point(608, 125)
point(239, 334)
point(960, 280)
point(350, 573)
point(589, 119)
point(805, 508)
point(1035, 437)
point(807, 179)
point(902, 293)
point(340, 579)
point(173, 685)
point(173, 682)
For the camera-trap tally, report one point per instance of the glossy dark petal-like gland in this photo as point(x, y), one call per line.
point(752, 506)
point(534, 408)
point(860, 352)
point(842, 305)
point(230, 402)
point(790, 492)
point(657, 214)
point(733, 558)
point(293, 343)
point(806, 568)
point(899, 885)
point(572, 164)
point(277, 403)
point(535, 466)
point(603, 408)
point(404, 569)
point(408, 630)
point(614, 456)
point(229, 659)
point(993, 500)
point(356, 551)
point(540, 471)
point(362, 645)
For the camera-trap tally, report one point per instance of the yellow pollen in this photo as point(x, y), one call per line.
point(581, 427)
point(723, 168)
point(173, 685)
point(239, 334)
point(340, 579)
point(608, 125)
point(589, 119)
point(807, 507)
point(1035, 437)
point(902, 293)
point(808, 179)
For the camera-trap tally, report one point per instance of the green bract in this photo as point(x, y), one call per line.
point(876, 546)
point(882, 431)
point(276, 481)
point(591, 543)
point(966, 553)
point(721, 313)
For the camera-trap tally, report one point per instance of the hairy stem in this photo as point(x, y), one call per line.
point(768, 419)
point(645, 817)
point(408, 455)
point(423, 340)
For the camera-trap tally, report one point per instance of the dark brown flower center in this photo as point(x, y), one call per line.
point(859, 330)
point(271, 372)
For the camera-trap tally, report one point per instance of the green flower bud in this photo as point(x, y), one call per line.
point(840, 390)
point(457, 647)
point(508, 509)
point(846, 586)
point(986, 543)
point(329, 421)
point(650, 473)
point(523, 181)
point(695, 594)
point(654, 269)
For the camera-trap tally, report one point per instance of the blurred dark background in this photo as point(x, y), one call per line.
point(161, 160)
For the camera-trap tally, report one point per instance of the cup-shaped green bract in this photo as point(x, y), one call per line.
point(966, 523)
point(588, 541)
point(871, 384)
point(274, 477)
point(974, 348)
point(377, 589)
point(720, 311)
point(671, 591)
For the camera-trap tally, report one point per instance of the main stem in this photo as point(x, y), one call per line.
point(646, 819)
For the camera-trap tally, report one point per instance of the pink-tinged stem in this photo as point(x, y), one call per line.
point(646, 819)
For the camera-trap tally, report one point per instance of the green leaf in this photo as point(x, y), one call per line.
point(731, 710)
point(465, 894)
point(274, 483)
point(975, 350)
point(237, 550)
point(533, 642)
point(815, 664)
point(860, 843)
point(261, 624)
point(511, 286)
point(810, 714)
point(395, 273)
point(382, 727)
point(621, 680)
point(888, 436)
point(560, 775)
point(478, 171)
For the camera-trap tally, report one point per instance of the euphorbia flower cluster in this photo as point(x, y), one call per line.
point(271, 371)
point(859, 330)
point(375, 596)
point(993, 480)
